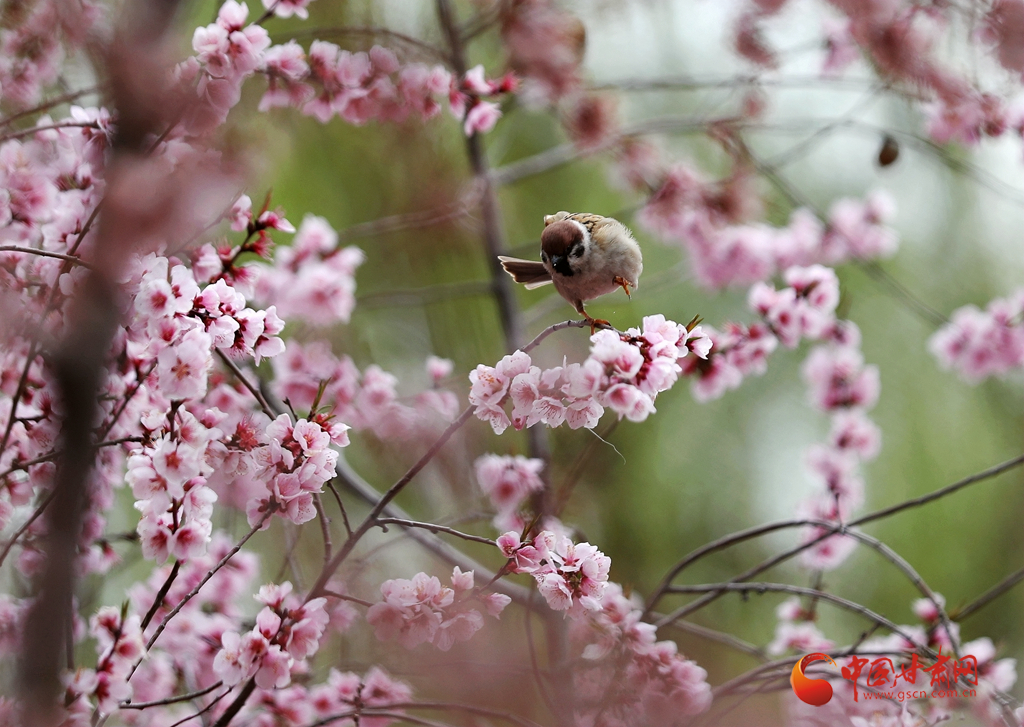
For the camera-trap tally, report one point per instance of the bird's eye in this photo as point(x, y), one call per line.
point(577, 251)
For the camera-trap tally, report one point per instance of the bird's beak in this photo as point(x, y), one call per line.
point(557, 261)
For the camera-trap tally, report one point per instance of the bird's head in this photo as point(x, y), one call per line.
point(565, 247)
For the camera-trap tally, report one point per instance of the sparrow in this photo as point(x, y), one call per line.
point(585, 256)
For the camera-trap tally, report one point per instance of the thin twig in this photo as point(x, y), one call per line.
point(161, 595)
point(45, 253)
point(325, 525)
point(749, 533)
point(49, 103)
point(245, 382)
point(721, 637)
point(761, 588)
point(345, 597)
point(49, 127)
point(387, 497)
point(204, 710)
point(534, 664)
point(172, 700)
point(433, 543)
point(959, 614)
point(434, 529)
point(341, 506)
point(372, 31)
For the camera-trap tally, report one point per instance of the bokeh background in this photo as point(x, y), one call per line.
point(693, 472)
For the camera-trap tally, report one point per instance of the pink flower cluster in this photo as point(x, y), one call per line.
point(466, 100)
point(737, 351)
point(545, 46)
point(981, 343)
point(796, 631)
point(626, 677)
point(702, 216)
point(507, 482)
point(293, 466)
point(227, 52)
point(285, 635)
point(357, 87)
point(421, 610)
point(168, 480)
point(900, 40)
point(624, 372)
point(805, 309)
point(34, 43)
point(119, 645)
point(572, 577)
point(367, 400)
point(842, 385)
point(178, 325)
point(313, 279)
point(347, 691)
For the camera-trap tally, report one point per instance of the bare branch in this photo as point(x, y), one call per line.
point(434, 529)
point(762, 588)
point(959, 614)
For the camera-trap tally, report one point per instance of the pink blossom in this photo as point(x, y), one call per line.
point(978, 344)
point(288, 8)
point(422, 610)
point(507, 481)
point(853, 431)
point(803, 638)
point(837, 378)
point(481, 118)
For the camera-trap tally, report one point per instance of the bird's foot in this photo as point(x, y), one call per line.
point(621, 281)
point(595, 322)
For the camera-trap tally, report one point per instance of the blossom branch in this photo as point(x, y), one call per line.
point(429, 541)
point(191, 594)
point(369, 522)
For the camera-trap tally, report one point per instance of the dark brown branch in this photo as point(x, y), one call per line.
point(45, 253)
point(49, 127)
point(161, 595)
point(172, 700)
point(235, 706)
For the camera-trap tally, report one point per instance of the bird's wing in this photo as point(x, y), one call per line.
point(529, 272)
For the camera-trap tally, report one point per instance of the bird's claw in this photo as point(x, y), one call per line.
point(621, 281)
point(595, 322)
